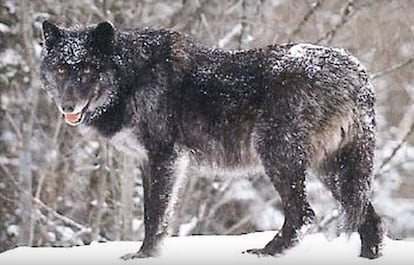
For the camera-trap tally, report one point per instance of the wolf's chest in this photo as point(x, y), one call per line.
point(127, 141)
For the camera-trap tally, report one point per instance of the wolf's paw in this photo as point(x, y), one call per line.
point(260, 252)
point(140, 255)
point(371, 253)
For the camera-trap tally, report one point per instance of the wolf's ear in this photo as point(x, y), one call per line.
point(51, 33)
point(103, 36)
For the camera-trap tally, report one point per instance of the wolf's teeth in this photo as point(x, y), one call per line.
point(73, 118)
point(96, 91)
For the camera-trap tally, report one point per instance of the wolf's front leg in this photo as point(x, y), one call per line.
point(158, 183)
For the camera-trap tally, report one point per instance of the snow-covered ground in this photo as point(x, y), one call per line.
point(197, 250)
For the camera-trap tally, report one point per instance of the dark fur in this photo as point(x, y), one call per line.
point(286, 109)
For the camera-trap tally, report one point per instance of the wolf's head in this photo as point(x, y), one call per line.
point(77, 71)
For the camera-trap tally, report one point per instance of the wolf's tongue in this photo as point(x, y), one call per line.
point(73, 118)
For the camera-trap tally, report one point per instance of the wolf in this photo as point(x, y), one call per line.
point(286, 111)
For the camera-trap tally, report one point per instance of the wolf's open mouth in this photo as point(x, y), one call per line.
point(76, 118)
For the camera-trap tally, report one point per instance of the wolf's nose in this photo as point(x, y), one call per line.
point(68, 107)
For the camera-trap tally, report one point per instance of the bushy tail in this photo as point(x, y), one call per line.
point(355, 178)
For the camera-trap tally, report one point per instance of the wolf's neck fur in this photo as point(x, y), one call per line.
point(112, 120)
point(141, 86)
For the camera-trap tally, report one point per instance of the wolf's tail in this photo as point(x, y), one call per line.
point(356, 163)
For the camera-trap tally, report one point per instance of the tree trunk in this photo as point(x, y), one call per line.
point(127, 192)
point(25, 155)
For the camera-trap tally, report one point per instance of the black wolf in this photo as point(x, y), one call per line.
point(282, 110)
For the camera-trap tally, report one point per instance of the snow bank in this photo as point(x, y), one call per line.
point(198, 250)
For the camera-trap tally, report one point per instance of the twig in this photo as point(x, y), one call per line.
point(247, 218)
point(223, 42)
point(14, 125)
point(410, 131)
point(101, 13)
point(3, 197)
point(65, 219)
point(347, 12)
point(10, 175)
point(392, 68)
point(207, 26)
point(243, 30)
point(191, 17)
point(314, 7)
point(395, 150)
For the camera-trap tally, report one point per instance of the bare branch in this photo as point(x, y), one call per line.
point(248, 217)
point(102, 13)
point(388, 159)
point(243, 23)
point(14, 125)
point(347, 12)
point(314, 7)
point(37, 201)
point(63, 218)
point(410, 131)
point(207, 26)
point(236, 31)
point(5, 198)
point(10, 175)
point(392, 69)
point(191, 15)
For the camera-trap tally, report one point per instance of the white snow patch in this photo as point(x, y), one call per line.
point(269, 218)
point(13, 230)
point(242, 190)
point(66, 232)
point(299, 50)
point(314, 249)
point(136, 224)
point(186, 228)
point(4, 28)
point(51, 237)
point(9, 57)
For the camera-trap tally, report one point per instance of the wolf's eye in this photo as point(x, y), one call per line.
point(61, 70)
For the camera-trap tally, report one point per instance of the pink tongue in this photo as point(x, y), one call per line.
point(72, 118)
